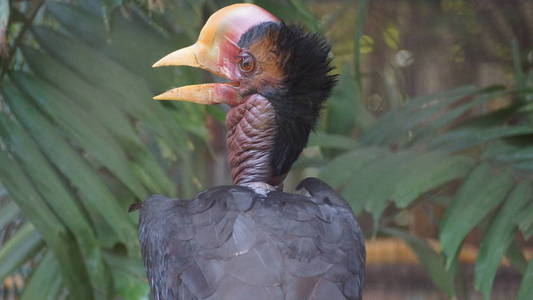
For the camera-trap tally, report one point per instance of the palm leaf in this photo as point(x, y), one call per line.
point(19, 248)
point(498, 237)
point(471, 205)
point(9, 212)
point(46, 281)
point(56, 236)
point(56, 195)
point(95, 195)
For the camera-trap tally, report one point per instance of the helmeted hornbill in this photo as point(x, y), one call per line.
point(251, 240)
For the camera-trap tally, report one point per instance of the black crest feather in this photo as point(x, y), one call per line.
point(307, 84)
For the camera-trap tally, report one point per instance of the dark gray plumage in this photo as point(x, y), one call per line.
point(231, 243)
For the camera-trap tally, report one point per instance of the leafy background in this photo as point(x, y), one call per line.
point(428, 135)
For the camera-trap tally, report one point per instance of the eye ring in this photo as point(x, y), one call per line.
point(247, 63)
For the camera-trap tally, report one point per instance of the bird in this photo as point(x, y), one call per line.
point(252, 240)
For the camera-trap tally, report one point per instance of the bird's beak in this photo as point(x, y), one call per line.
point(206, 57)
point(217, 52)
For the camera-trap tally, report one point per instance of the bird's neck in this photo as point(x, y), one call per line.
point(250, 140)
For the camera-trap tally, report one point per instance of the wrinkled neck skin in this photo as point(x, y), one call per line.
point(251, 131)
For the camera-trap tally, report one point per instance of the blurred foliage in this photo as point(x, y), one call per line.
point(80, 139)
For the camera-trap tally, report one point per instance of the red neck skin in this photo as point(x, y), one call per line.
point(251, 131)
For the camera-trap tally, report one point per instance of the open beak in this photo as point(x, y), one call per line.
point(217, 52)
point(200, 56)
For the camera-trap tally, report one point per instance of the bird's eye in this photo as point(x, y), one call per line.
point(247, 63)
